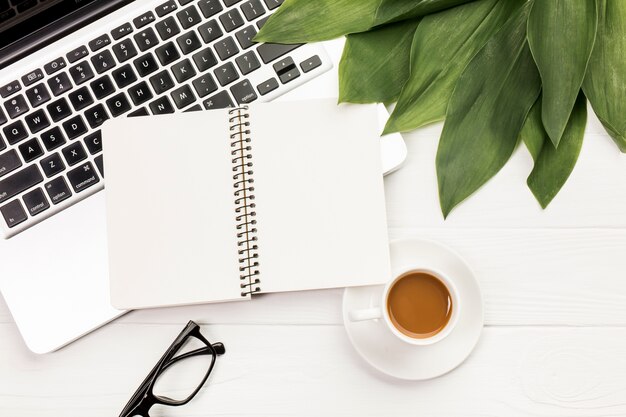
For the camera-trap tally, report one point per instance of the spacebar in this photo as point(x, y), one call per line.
point(18, 182)
point(271, 51)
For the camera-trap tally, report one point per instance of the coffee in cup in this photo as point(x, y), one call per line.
point(420, 306)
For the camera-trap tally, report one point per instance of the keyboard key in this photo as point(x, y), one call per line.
point(3, 117)
point(226, 74)
point(124, 76)
point(15, 132)
point(196, 107)
point(81, 98)
point(167, 53)
point(284, 65)
point(100, 42)
point(19, 181)
point(74, 127)
point(124, 50)
point(81, 73)
point(31, 150)
point(32, 77)
point(210, 31)
point(167, 28)
point(96, 115)
point(146, 64)
point(311, 63)
point(102, 87)
point(231, 20)
point(161, 105)
point(188, 17)
point(121, 31)
point(77, 54)
point(140, 93)
point(9, 161)
point(204, 85)
point(165, 8)
point(226, 48)
point(2, 144)
point(252, 9)
point(144, 19)
point(219, 101)
point(244, 37)
point(37, 121)
point(248, 62)
point(25, 5)
point(146, 39)
point(103, 61)
point(243, 92)
point(289, 76)
point(16, 106)
point(162, 82)
point(52, 165)
point(13, 213)
point(118, 104)
point(38, 95)
point(229, 3)
point(271, 51)
point(205, 59)
point(183, 96)
point(100, 163)
point(137, 113)
point(74, 153)
point(52, 138)
point(188, 42)
point(58, 190)
point(59, 109)
point(210, 7)
point(10, 88)
point(59, 84)
point(183, 70)
point(272, 4)
point(94, 142)
point(7, 15)
point(36, 202)
point(54, 66)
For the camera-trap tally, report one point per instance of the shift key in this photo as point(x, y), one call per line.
point(272, 51)
point(18, 182)
point(83, 177)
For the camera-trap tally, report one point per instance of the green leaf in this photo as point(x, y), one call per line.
point(299, 21)
point(533, 134)
point(486, 113)
point(561, 34)
point(553, 166)
point(605, 81)
point(375, 64)
point(443, 45)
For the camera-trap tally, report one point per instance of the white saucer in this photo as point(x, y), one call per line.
point(384, 351)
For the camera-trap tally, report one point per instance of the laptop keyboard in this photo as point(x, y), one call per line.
point(183, 55)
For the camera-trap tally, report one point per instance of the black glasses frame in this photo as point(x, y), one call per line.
point(144, 398)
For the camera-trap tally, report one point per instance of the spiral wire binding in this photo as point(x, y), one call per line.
point(243, 183)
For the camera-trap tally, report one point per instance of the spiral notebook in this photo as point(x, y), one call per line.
point(219, 205)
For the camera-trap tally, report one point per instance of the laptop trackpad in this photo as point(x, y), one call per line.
point(55, 276)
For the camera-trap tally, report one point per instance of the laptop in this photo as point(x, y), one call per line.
point(66, 66)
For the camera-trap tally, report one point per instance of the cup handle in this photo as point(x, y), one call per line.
point(366, 314)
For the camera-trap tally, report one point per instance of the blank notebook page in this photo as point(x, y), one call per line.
point(170, 210)
point(319, 195)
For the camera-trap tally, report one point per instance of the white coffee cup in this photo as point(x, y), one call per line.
point(382, 311)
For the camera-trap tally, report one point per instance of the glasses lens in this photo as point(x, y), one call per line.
point(184, 374)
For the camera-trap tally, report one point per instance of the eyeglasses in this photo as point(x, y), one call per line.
point(144, 398)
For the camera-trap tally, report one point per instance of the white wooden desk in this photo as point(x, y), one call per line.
point(554, 344)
